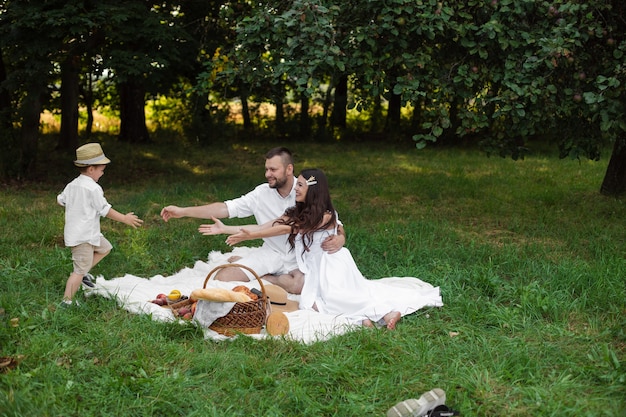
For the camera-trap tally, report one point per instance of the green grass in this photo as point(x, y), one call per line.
point(529, 256)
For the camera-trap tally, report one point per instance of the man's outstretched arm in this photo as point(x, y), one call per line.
point(208, 211)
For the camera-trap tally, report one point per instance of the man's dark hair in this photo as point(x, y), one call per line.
point(284, 153)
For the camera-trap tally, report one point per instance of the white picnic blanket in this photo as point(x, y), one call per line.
point(135, 294)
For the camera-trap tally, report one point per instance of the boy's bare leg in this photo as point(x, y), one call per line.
point(71, 287)
point(97, 257)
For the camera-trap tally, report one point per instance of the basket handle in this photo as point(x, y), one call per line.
point(220, 267)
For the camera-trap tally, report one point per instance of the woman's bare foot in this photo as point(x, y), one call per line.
point(368, 323)
point(391, 319)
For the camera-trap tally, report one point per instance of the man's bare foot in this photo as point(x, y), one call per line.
point(233, 258)
point(368, 323)
point(391, 319)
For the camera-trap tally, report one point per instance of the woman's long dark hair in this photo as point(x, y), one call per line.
point(306, 217)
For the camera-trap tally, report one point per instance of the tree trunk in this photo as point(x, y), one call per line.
point(87, 94)
point(305, 118)
point(376, 120)
point(132, 112)
point(392, 124)
point(9, 141)
point(245, 112)
point(69, 103)
point(30, 111)
point(280, 114)
point(416, 116)
point(323, 133)
point(449, 136)
point(614, 183)
point(202, 122)
point(338, 116)
point(5, 99)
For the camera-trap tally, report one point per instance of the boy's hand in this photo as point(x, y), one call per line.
point(132, 220)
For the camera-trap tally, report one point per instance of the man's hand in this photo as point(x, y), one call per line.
point(333, 243)
point(171, 212)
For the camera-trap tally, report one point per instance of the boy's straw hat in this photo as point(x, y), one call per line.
point(90, 154)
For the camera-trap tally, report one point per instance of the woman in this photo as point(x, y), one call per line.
point(333, 283)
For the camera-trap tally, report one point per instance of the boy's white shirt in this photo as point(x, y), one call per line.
point(84, 203)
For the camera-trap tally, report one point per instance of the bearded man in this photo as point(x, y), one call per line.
point(274, 261)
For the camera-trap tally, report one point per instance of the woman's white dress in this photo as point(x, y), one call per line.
point(335, 285)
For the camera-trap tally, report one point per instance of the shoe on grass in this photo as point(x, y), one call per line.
point(89, 280)
point(69, 304)
point(418, 407)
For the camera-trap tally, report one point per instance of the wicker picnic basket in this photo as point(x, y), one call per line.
point(246, 318)
point(175, 307)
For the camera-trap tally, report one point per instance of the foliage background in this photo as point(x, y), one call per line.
point(498, 73)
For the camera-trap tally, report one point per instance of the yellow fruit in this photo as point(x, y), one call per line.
point(174, 295)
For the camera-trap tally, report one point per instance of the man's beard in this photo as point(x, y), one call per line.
point(279, 183)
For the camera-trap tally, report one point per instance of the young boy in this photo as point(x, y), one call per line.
point(84, 204)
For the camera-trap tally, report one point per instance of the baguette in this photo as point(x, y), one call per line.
point(220, 295)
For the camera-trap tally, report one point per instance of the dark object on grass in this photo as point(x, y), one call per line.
point(442, 411)
point(89, 280)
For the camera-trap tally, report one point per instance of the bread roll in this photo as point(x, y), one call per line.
point(245, 290)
